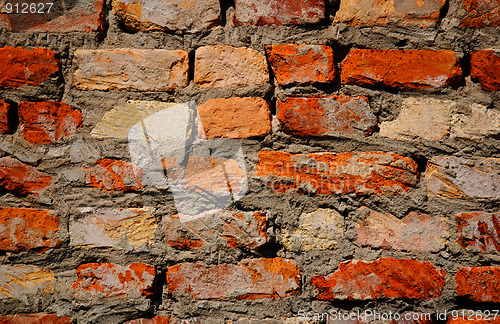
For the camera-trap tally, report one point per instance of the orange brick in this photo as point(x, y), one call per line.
point(39, 318)
point(480, 284)
point(481, 13)
point(382, 278)
point(111, 175)
point(20, 178)
point(302, 64)
point(414, 69)
point(485, 67)
point(4, 117)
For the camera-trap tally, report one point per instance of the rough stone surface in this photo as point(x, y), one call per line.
point(319, 230)
point(415, 232)
point(18, 281)
point(4, 117)
point(480, 284)
point(278, 12)
point(81, 16)
point(326, 116)
point(245, 230)
point(382, 278)
point(185, 15)
point(302, 64)
point(406, 13)
point(20, 178)
point(164, 320)
point(23, 229)
point(38, 318)
point(131, 69)
point(113, 280)
point(121, 228)
point(110, 175)
point(118, 121)
point(480, 123)
point(225, 66)
point(249, 279)
point(481, 13)
point(414, 69)
point(327, 173)
point(426, 118)
point(26, 67)
point(235, 117)
point(461, 178)
point(479, 231)
point(485, 67)
point(48, 122)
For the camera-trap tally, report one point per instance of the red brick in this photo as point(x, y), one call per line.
point(111, 175)
point(278, 12)
point(164, 320)
point(485, 67)
point(236, 230)
point(302, 64)
point(480, 284)
point(481, 13)
point(25, 229)
point(112, 280)
point(4, 117)
point(235, 117)
point(39, 318)
point(479, 231)
point(26, 67)
point(20, 178)
point(415, 69)
point(328, 173)
point(48, 122)
point(326, 116)
point(249, 279)
point(382, 278)
point(83, 16)
point(401, 13)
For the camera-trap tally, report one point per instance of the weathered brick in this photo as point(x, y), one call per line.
point(473, 317)
point(123, 228)
point(481, 13)
point(82, 16)
point(480, 123)
point(382, 278)
point(326, 116)
point(131, 69)
point(18, 281)
point(236, 230)
point(226, 66)
point(479, 231)
point(415, 232)
point(38, 318)
point(4, 117)
point(111, 175)
point(319, 230)
point(20, 178)
point(164, 320)
point(249, 279)
point(26, 67)
point(235, 117)
point(416, 69)
point(425, 118)
point(480, 284)
point(328, 173)
point(48, 122)
point(461, 178)
point(485, 67)
point(302, 64)
point(118, 121)
point(171, 15)
point(290, 320)
point(278, 12)
point(113, 280)
point(23, 229)
point(402, 13)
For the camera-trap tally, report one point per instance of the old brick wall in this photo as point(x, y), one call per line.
point(370, 135)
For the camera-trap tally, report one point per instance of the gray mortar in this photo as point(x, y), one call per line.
point(64, 162)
